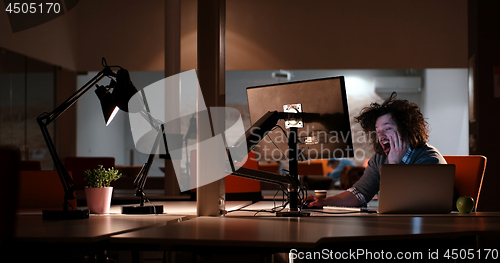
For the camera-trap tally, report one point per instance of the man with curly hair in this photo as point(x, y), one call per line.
point(399, 134)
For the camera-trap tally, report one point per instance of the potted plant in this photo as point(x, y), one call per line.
point(98, 191)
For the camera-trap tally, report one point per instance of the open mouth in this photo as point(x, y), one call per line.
point(386, 145)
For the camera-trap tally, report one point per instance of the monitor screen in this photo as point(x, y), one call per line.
point(325, 130)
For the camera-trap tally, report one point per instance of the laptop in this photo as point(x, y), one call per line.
point(416, 188)
point(413, 189)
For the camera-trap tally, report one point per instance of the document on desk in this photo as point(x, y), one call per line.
point(344, 209)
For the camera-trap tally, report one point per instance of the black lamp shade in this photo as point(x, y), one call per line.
point(109, 109)
point(124, 90)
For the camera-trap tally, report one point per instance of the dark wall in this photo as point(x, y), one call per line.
point(484, 43)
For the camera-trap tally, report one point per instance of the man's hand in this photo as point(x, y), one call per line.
point(314, 202)
point(343, 199)
point(398, 148)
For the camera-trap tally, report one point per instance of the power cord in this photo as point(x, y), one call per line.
point(148, 201)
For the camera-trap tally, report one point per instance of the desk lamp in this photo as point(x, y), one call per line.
point(123, 90)
point(44, 119)
point(113, 97)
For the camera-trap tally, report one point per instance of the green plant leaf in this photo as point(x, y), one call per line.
point(101, 177)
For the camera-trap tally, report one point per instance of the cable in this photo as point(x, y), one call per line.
point(283, 196)
point(276, 146)
point(104, 63)
point(274, 128)
point(284, 132)
point(294, 182)
point(299, 189)
point(148, 201)
point(272, 210)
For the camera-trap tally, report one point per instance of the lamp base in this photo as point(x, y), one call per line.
point(65, 215)
point(293, 214)
point(147, 209)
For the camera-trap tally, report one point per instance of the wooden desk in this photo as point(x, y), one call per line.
point(67, 238)
point(247, 234)
point(30, 226)
point(277, 232)
point(241, 233)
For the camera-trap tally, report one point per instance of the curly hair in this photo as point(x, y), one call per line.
point(412, 126)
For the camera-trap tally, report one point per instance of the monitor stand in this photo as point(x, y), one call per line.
point(294, 172)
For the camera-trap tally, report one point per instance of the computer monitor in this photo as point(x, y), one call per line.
point(324, 130)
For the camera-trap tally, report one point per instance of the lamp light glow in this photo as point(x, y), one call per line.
point(113, 114)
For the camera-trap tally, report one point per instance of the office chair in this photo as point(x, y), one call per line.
point(41, 189)
point(469, 172)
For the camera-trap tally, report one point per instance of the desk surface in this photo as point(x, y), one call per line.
point(31, 228)
point(242, 228)
point(277, 232)
point(184, 208)
point(173, 230)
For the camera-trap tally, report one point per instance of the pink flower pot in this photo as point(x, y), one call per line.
point(98, 199)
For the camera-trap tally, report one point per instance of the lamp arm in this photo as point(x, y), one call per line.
point(50, 117)
point(66, 180)
point(155, 123)
point(140, 180)
point(45, 119)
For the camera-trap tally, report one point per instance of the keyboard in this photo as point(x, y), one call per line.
point(348, 209)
